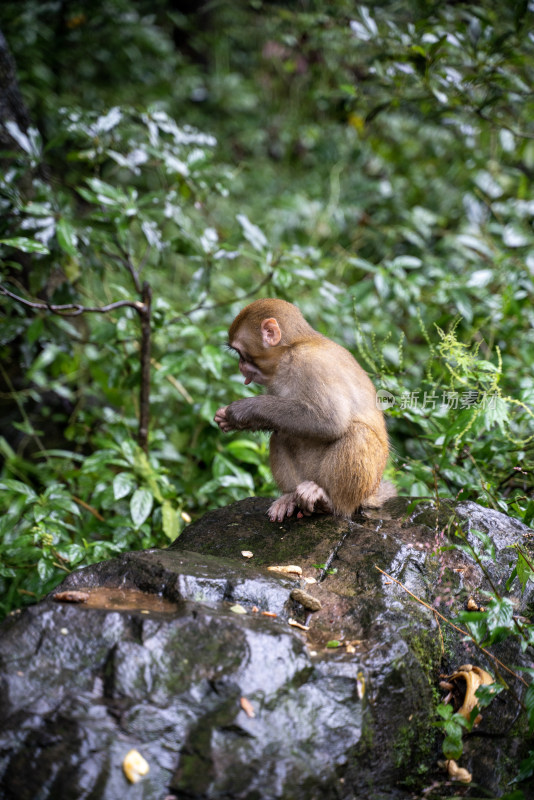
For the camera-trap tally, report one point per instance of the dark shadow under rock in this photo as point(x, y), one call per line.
point(152, 651)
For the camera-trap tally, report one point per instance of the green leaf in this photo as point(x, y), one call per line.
point(511, 579)
point(496, 413)
point(106, 194)
point(26, 245)
point(170, 520)
point(244, 480)
point(529, 513)
point(526, 768)
point(252, 233)
point(334, 643)
point(476, 622)
point(140, 506)
point(66, 237)
point(445, 710)
point(452, 745)
point(212, 358)
point(486, 694)
point(524, 570)
point(38, 209)
point(19, 487)
point(123, 483)
point(45, 569)
point(244, 450)
point(529, 704)
point(100, 460)
point(500, 617)
point(488, 549)
point(282, 278)
point(73, 553)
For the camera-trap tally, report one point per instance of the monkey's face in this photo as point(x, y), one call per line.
point(247, 361)
point(251, 372)
point(248, 369)
point(258, 351)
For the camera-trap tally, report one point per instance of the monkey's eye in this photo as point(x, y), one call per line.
point(232, 351)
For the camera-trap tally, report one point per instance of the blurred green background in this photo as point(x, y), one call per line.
point(372, 164)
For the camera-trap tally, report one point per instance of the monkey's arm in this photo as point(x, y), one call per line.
point(270, 413)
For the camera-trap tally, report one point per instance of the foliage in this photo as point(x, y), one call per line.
point(372, 164)
point(117, 234)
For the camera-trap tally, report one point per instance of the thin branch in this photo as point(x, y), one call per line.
point(74, 309)
point(144, 389)
point(173, 381)
point(127, 262)
point(143, 308)
point(85, 505)
point(456, 628)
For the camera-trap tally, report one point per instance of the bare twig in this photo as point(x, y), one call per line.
point(125, 259)
point(85, 505)
point(178, 385)
point(144, 389)
point(73, 309)
point(143, 308)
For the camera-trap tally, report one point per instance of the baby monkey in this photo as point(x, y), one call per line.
point(329, 444)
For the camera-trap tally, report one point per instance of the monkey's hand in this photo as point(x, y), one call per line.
point(222, 420)
point(235, 416)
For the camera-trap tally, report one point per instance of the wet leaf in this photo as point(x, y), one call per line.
point(140, 506)
point(26, 245)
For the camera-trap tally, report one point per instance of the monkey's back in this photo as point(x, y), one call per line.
point(350, 465)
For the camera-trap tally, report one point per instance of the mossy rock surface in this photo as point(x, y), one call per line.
point(157, 656)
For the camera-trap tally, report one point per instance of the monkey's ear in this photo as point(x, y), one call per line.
point(270, 332)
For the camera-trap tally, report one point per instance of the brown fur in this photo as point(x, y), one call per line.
point(320, 405)
point(291, 321)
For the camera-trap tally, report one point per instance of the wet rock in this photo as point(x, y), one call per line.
point(153, 657)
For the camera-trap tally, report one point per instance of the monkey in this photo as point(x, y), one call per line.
point(329, 444)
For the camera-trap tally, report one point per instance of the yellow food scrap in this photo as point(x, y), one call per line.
point(247, 707)
point(295, 624)
point(457, 773)
point(135, 766)
point(360, 685)
point(290, 569)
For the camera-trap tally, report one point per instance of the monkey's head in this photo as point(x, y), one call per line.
point(261, 333)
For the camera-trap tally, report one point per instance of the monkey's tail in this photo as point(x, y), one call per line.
point(384, 492)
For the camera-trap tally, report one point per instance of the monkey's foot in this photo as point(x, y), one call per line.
point(308, 497)
point(311, 498)
point(282, 508)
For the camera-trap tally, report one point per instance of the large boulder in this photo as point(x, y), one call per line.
point(187, 656)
